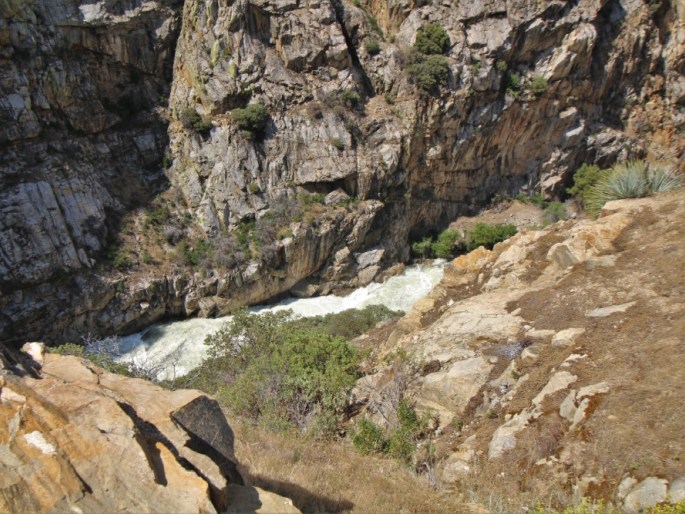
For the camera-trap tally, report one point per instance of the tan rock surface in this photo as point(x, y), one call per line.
point(82, 439)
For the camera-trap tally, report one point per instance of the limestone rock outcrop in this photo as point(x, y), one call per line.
point(75, 438)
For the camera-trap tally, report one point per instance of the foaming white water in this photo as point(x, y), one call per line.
point(177, 347)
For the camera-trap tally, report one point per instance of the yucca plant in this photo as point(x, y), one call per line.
point(663, 178)
point(631, 179)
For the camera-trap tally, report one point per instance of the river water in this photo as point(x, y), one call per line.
point(177, 347)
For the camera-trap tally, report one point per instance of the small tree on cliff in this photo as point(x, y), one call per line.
point(251, 120)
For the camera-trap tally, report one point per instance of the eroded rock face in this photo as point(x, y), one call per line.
point(80, 135)
point(78, 438)
point(427, 158)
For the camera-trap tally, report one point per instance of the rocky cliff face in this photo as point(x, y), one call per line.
point(552, 361)
point(426, 157)
point(81, 137)
point(74, 438)
point(533, 90)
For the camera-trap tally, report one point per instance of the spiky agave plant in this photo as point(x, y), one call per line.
point(631, 179)
point(663, 178)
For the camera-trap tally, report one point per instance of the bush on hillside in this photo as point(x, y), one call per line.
point(632, 179)
point(400, 441)
point(422, 248)
point(285, 372)
point(369, 437)
point(488, 235)
point(538, 85)
point(444, 247)
point(584, 179)
point(101, 352)
point(251, 119)
point(373, 47)
point(349, 323)
point(191, 119)
point(432, 39)
point(429, 72)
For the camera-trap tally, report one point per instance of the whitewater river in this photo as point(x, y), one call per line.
point(178, 346)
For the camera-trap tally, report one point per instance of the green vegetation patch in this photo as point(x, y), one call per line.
point(538, 85)
point(285, 372)
point(191, 119)
point(488, 235)
point(429, 72)
point(632, 179)
point(432, 39)
point(446, 245)
point(399, 442)
point(252, 119)
point(373, 47)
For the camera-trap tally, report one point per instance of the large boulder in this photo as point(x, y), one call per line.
point(79, 438)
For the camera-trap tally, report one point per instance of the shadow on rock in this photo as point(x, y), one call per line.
point(305, 500)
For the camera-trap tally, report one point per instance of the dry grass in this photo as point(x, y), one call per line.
point(331, 477)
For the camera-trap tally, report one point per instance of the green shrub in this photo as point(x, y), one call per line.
point(373, 47)
point(590, 506)
point(513, 84)
point(401, 445)
point(401, 441)
point(443, 248)
point(158, 215)
point(663, 178)
point(350, 98)
point(122, 261)
point(307, 200)
point(632, 179)
point(100, 352)
point(535, 199)
point(389, 99)
point(271, 369)
point(369, 438)
point(554, 212)
point(501, 66)
point(488, 235)
point(196, 254)
point(584, 179)
point(538, 85)
point(349, 323)
point(432, 39)
point(191, 119)
point(67, 349)
point(254, 188)
point(430, 72)
point(252, 119)
point(668, 508)
point(233, 70)
point(422, 248)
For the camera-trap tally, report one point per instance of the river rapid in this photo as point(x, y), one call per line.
point(177, 347)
